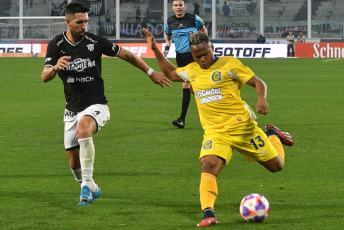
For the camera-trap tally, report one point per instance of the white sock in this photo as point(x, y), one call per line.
point(87, 153)
point(77, 174)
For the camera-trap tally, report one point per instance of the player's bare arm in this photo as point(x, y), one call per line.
point(49, 73)
point(165, 65)
point(261, 89)
point(156, 77)
point(168, 43)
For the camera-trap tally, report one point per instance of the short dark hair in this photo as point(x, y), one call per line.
point(76, 7)
point(198, 37)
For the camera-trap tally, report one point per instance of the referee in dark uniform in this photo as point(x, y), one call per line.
point(75, 56)
point(179, 27)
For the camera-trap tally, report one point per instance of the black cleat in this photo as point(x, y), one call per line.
point(179, 123)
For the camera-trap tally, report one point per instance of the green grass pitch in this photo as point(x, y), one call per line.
point(149, 171)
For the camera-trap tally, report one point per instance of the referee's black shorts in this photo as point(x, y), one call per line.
point(184, 59)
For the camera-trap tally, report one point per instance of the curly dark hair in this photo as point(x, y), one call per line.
point(198, 37)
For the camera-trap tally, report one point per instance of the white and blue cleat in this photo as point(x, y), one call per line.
point(87, 197)
point(96, 195)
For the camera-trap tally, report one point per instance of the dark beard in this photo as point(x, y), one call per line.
point(77, 37)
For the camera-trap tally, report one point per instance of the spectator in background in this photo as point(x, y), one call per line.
point(138, 14)
point(261, 39)
point(135, 3)
point(108, 16)
point(197, 6)
point(226, 10)
point(62, 8)
point(301, 37)
point(54, 10)
point(290, 40)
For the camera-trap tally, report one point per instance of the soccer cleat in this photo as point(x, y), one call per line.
point(86, 196)
point(207, 222)
point(284, 136)
point(179, 123)
point(96, 195)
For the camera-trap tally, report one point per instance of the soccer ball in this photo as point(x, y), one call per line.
point(254, 208)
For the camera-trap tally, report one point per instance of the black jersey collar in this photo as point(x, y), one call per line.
point(71, 43)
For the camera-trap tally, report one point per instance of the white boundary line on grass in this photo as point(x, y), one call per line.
point(336, 59)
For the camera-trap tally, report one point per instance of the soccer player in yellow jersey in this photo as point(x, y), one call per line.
point(228, 122)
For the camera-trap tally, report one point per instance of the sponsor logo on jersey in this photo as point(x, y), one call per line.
point(208, 144)
point(90, 47)
point(80, 64)
point(84, 79)
point(70, 79)
point(181, 25)
point(47, 59)
point(205, 93)
point(216, 76)
point(207, 96)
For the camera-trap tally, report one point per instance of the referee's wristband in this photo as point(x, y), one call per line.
point(167, 48)
point(149, 72)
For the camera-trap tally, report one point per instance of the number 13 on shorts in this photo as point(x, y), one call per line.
point(257, 142)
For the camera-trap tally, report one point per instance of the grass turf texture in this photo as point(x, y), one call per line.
point(148, 170)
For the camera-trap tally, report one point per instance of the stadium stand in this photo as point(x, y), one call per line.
point(243, 19)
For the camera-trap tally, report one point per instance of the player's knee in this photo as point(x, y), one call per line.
point(208, 164)
point(211, 164)
point(86, 127)
point(82, 133)
point(276, 167)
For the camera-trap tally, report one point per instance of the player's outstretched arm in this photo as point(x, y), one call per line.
point(156, 77)
point(165, 65)
point(261, 89)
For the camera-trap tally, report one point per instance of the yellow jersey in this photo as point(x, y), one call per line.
point(217, 93)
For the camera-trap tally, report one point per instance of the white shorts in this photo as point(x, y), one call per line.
point(100, 113)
